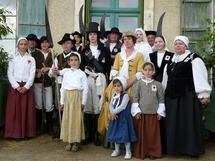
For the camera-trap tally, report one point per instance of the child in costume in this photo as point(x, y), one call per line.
point(148, 108)
point(73, 99)
point(121, 128)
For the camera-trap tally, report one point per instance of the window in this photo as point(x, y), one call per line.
point(9, 42)
point(125, 14)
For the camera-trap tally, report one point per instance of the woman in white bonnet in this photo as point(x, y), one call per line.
point(20, 122)
point(186, 89)
point(142, 44)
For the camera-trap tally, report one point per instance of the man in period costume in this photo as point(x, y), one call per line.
point(97, 64)
point(113, 43)
point(32, 43)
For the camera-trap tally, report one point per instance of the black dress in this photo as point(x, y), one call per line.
point(183, 111)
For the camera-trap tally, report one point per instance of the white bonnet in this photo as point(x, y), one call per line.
point(123, 82)
point(21, 38)
point(79, 56)
point(184, 39)
point(143, 32)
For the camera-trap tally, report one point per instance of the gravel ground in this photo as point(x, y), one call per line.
point(43, 148)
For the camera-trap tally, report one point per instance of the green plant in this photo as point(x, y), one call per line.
point(4, 31)
point(4, 59)
point(207, 49)
point(4, 28)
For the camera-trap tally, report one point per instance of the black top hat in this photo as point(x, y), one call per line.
point(77, 33)
point(93, 27)
point(32, 37)
point(67, 37)
point(150, 33)
point(114, 30)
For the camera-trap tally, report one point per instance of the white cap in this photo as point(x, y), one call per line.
point(79, 56)
point(21, 38)
point(184, 39)
point(123, 82)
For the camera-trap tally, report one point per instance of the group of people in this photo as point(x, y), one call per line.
point(122, 91)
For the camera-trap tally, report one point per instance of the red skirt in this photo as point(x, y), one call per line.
point(20, 116)
point(148, 134)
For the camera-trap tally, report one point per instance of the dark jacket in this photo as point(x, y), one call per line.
point(40, 60)
point(159, 70)
point(104, 59)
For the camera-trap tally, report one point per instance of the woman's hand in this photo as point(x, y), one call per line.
point(138, 116)
point(62, 107)
point(205, 101)
point(159, 117)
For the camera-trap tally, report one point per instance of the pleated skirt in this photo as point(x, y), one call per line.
point(72, 128)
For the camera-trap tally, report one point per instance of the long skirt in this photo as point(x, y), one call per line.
point(184, 125)
point(20, 114)
point(148, 134)
point(72, 128)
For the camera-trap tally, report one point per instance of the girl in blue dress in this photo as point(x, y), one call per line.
point(121, 128)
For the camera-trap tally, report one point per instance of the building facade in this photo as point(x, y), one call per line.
point(182, 17)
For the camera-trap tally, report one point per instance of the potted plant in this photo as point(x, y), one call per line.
point(4, 59)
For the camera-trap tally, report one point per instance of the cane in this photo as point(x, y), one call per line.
point(57, 89)
point(43, 109)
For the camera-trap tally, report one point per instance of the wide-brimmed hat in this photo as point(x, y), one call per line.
point(114, 30)
point(129, 34)
point(150, 33)
point(67, 37)
point(93, 27)
point(77, 33)
point(32, 37)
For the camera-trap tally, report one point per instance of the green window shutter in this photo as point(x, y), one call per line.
point(31, 17)
point(118, 13)
point(192, 21)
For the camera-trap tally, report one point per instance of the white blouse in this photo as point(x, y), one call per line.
point(200, 75)
point(74, 80)
point(159, 58)
point(145, 49)
point(21, 69)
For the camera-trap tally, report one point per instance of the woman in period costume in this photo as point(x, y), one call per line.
point(20, 111)
point(186, 87)
point(128, 64)
point(160, 58)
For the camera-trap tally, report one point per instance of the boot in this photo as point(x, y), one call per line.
point(88, 119)
point(95, 127)
point(49, 122)
point(38, 122)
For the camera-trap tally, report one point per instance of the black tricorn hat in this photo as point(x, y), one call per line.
point(114, 30)
point(67, 37)
point(93, 27)
point(77, 33)
point(150, 33)
point(32, 37)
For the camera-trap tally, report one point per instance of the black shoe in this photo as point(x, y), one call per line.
point(152, 157)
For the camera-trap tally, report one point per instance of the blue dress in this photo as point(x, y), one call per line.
point(122, 129)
